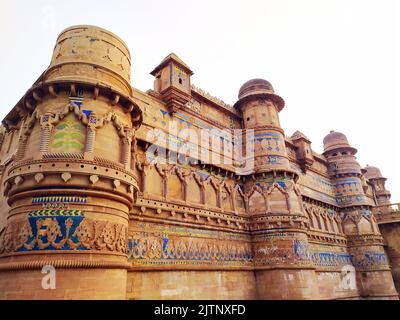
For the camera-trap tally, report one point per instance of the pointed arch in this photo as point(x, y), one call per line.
point(31, 133)
point(239, 199)
point(277, 198)
point(108, 143)
point(175, 186)
point(194, 188)
point(364, 226)
point(211, 193)
point(227, 198)
point(154, 182)
point(256, 200)
point(349, 226)
point(27, 128)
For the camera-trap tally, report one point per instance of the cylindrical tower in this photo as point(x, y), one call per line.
point(278, 222)
point(260, 107)
point(70, 187)
point(374, 279)
point(93, 55)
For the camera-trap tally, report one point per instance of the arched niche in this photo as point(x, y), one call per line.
point(108, 144)
point(364, 226)
point(193, 190)
point(240, 203)
point(154, 182)
point(277, 200)
point(257, 202)
point(174, 187)
point(295, 201)
point(33, 141)
point(210, 195)
point(349, 227)
point(226, 198)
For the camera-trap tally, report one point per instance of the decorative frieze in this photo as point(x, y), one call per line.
point(62, 230)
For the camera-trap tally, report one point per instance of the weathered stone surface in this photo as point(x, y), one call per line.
point(105, 183)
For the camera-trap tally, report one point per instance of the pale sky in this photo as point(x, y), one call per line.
point(335, 62)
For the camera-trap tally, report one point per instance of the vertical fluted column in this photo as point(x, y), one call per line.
point(22, 142)
point(46, 126)
point(21, 148)
point(90, 136)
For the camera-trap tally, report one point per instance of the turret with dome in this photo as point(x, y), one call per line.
point(375, 177)
point(260, 106)
point(274, 183)
point(340, 155)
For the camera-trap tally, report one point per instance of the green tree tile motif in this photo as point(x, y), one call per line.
point(69, 135)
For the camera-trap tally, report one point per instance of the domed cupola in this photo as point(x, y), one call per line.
point(337, 141)
point(340, 155)
point(259, 88)
point(372, 173)
point(376, 179)
point(260, 107)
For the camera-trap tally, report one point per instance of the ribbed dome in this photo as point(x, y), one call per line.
point(255, 86)
point(335, 140)
point(372, 172)
point(259, 87)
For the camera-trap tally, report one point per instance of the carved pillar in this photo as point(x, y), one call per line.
point(232, 200)
point(126, 148)
point(134, 148)
point(164, 174)
point(47, 127)
point(289, 205)
point(182, 178)
point(233, 196)
point(142, 169)
point(219, 198)
point(22, 142)
point(90, 136)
